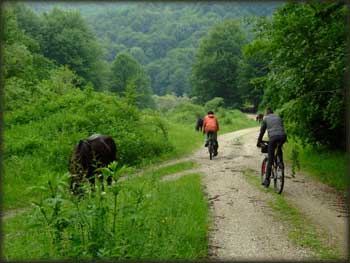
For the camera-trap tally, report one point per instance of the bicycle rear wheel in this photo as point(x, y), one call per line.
point(278, 178)
point(211, 149)
point(263, 170)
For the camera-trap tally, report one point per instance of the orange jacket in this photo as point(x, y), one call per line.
point(210, 123)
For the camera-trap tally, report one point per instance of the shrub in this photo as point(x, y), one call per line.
point(214, 104)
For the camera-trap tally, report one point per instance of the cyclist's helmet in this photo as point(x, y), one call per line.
point(269, 110)
point(210, 112)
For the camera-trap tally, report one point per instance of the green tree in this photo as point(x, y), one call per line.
point(214, 72)
point(306, 44)
point(30, 23)
point(124, 68)
point(251, 73)
point(20, 55)
point(127, 76)
point(138, 54)
point(66, 39)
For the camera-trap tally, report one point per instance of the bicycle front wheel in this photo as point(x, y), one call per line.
point(278, 179)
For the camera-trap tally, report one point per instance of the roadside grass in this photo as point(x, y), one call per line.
point(300, 229)
point(184, 140)
point(233, 120)
point(155, 221)
point(174, 168)
point(327, 166)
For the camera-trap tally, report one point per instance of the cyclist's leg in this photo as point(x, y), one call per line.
point(215, 138)
point(209, 135)
point(207, 139)
point(271, 153)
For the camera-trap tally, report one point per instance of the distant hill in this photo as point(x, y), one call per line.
point(163, 37)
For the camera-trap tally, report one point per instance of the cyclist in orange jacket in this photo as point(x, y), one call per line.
point(211, 124)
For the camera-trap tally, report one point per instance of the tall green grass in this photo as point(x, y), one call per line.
point(233, 120)
point(327, 166)
point(154, 221)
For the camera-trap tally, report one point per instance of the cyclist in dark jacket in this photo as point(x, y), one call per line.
point(277, 137)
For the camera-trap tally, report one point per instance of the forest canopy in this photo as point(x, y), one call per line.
point(290, 57)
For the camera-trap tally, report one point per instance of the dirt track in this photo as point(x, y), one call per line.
point(240, 211)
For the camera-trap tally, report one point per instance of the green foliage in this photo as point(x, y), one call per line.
point(19, 93)
point(214, 104)
point(161, 36)
point(251, 73)
point(139, 54)
point(128, 78)
point(306, 44)
point(171, 74)
point(20, 53)
point(138, 218)
point(168, 102)
point(66, 39)
point(187, 112)
point(214, 72)
point(34, 45)
point(232, 120)
point(295, 161)
point(69, 115)
point(327, 166)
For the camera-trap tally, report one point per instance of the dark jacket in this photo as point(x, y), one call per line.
point(274, 126)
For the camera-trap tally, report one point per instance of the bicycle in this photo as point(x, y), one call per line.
point(277, 169)
point(211, 145)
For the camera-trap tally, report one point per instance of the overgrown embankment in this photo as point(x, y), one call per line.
point(138, 218)
point(328, 166)
point(40, 136)
point(36, 172)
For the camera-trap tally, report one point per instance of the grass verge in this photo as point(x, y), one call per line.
point(327, 166)
point(155, 221)
point(300, 229)
point(174, 168)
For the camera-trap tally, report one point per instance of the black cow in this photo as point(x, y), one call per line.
point(88, 155)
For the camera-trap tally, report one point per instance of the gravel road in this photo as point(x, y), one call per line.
point(244, 227)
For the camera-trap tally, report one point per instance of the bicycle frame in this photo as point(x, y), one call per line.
point(210, 145)
point(277, 169)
